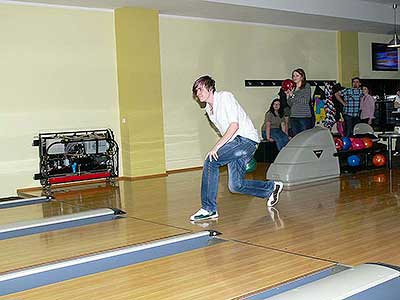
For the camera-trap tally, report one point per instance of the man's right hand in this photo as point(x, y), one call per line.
point(213, 154)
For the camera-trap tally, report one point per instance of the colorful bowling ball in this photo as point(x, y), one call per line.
point(357, 144)
point(338, 144)
point(346, 143)
point(368, 142)
point(288, 84)
point(351, 141)
point(251, 165)
point(353, 160)
point(379, 160)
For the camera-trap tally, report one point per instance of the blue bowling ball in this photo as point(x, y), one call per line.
point(346, 143)
point(353, 160)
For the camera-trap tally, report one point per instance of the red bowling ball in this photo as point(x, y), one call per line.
point(338, 144)
point(288, 84)
point(368, 143)
point(379, 160)
point(357, 144)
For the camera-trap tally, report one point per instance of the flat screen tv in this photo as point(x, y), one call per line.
point(384, 58)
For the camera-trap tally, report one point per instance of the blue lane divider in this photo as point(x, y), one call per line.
point(369, 281)
point(58, 222)
point(298, 282)
point(38, 276)
point(24, 201)
point(389, 290)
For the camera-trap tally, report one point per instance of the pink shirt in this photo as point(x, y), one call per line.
point(367, 107)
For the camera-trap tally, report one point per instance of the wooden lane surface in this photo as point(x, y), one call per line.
point(104, 194)
point(351, 220)
point(221, 271)
point(50, 246)
point(37, 211)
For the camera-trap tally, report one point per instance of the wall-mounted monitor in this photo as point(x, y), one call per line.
point(384, 58)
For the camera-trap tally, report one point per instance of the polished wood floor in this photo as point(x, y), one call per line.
point(351, 220)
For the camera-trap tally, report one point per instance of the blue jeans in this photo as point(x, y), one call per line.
point(300, 124)
point(280, 138)
point(236, 154)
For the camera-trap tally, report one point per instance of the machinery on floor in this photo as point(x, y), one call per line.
point(76, 155)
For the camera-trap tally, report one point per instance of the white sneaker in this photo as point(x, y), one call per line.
point(203, 214)
point(274, 197)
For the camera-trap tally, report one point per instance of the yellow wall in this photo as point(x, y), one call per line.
point(139, 83)
point(58, 72)
point(348, 61)
point(364, 42)
point(230, 52)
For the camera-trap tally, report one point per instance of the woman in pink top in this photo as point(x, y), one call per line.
point(367, 106)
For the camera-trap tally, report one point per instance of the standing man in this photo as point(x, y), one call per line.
point(235, 148)
point(350, 98)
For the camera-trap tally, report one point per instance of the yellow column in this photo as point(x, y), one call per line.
point(348, 66)
point(139, 88)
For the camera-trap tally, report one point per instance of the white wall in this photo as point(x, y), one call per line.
point(230, 52)
point(58, 72)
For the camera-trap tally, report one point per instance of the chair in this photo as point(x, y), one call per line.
point(363, 129)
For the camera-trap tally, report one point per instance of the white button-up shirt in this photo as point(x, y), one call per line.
point(227, 110)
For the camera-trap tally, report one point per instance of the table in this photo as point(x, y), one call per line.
point(389, 136)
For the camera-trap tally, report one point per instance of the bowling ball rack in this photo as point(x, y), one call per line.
point(365, 157)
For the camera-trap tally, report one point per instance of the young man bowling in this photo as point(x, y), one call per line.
point(235, 148)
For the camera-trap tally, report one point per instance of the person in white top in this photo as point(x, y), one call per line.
point(396, 102)
point(235, 148)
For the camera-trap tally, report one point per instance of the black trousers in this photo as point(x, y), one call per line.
point(349, 123)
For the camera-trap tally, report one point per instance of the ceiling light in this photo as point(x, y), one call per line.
point(395, 42)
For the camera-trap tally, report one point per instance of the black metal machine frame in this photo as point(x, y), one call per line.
point(76, 155)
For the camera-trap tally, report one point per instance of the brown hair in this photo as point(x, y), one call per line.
point(205, 81)
point(272, 110)
point(303, 74)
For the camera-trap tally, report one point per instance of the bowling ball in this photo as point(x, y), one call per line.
point(346, 143)
point(368, 142)
point(288, 84)
point(338, 144)
point(353, 160)
point(251, 165)
point(357, 144)
point(379, 160)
